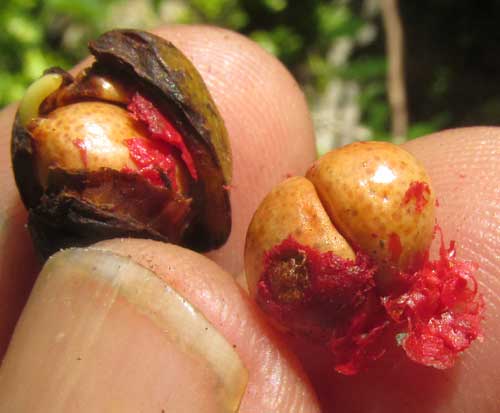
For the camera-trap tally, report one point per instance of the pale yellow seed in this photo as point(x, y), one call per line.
point(293, 209)
point(363, 188)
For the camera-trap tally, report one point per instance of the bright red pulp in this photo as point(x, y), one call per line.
point(336, 302)
point(154, 157)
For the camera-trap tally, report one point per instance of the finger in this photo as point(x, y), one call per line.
point(18, 265)
point(96, 334)
point(269, 128)
point(464, 168)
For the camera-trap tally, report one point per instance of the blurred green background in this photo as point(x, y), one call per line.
point(337, 50)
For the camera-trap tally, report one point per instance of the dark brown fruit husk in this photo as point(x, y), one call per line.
point(79, 207)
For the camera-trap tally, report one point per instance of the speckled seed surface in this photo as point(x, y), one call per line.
point(86, 135)
point(363, 187)
point(291, 209)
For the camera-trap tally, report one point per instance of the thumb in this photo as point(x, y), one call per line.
point(151, 328)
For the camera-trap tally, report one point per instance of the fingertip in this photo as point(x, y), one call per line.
point(276, 381)
point(102, 333)
point(18, 263)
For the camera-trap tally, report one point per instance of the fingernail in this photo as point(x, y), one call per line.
point(102, 333)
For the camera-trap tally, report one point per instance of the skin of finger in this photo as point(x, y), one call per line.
point(18, 265)
point(268, 124)
point(101, 333)
point(464, 168)
point(276, 382)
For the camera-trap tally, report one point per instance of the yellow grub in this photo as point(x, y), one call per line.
point(35, 95)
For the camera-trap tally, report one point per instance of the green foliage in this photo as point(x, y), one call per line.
point(37, 34)
point(336, 19)
point(226, 13)
point(370, 73)
point(418, 129)
point(283, 41)
point(301, 34)
point(365, 68)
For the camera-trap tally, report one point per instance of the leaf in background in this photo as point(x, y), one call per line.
point(276, 5)
point(23, 29)
point(266, 41)
point(366, 68)
point(90, 11)
point(337, 20)
point(283, 42)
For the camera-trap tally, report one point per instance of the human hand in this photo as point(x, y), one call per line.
point(271, 136)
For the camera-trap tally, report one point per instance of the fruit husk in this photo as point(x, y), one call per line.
point(183, 91)
point(59, 217)
point(83, 208)
point(22, 154)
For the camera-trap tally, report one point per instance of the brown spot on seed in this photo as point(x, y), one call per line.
point(289, 278)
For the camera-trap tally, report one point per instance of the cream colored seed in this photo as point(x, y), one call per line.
point(100, 129)
point(291, 209)
point(363, 188)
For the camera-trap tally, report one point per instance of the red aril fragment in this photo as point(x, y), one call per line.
point(395, 246)
point(334, 301)
point(82, 148)
point(360, 344)
point(153, 158)
point(310, 273)
point(442, 310)
point(417, 191)
point(329, 298)
point(160, 128)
